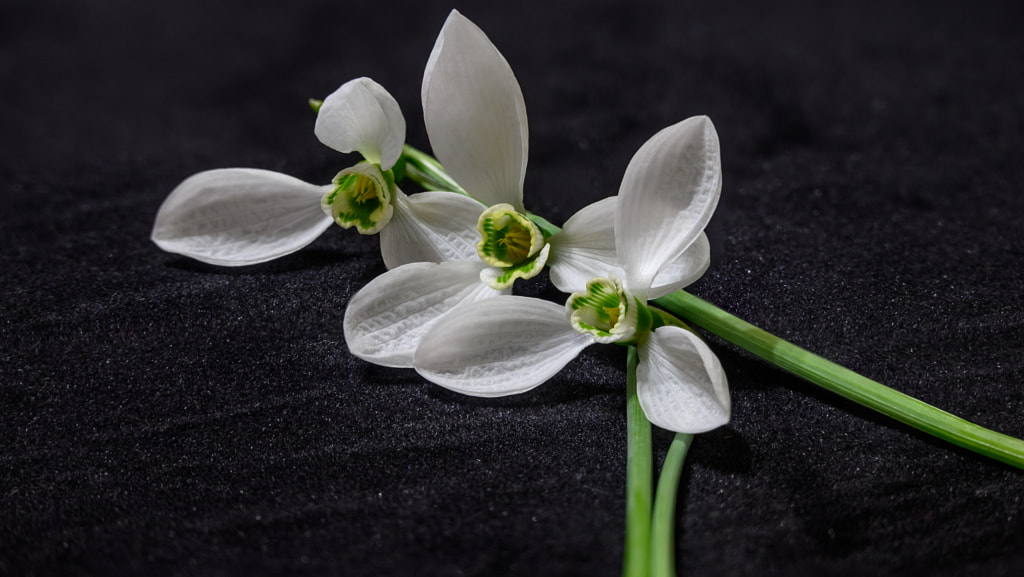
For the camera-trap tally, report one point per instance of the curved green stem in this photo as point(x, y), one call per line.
point(639, 479)
point(845, 382)
point(426, 171)
point(544, 224)
point(663, 546)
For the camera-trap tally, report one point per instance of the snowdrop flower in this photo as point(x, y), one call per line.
point(243, 216)
point(475, 117)
point(508, 344)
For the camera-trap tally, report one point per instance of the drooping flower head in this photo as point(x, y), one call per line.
point(475, 117)
point(362, 116)
point(241, 216)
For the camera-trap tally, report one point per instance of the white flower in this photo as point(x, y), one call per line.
point(476, 120)
point(241, 216)
point(475, 117)
point(652, 233)
point(507, 344)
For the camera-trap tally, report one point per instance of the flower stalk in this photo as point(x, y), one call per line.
point(663, 543)
point(845, 382)
point(639, 479)
point(426, 171)
point(650, 537)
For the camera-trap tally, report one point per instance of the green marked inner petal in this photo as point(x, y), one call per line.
point(361, 197)
point(503, 278)
point(605, 311)
point(507, 238)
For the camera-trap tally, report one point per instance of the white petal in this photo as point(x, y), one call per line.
point(680, 382)
point(240, 216)
point(501, 346)
point(386, 319)
point(475, 115)
point(668, 193)
point(361, 115)
point(685, 270)
point(585, 248)
point(431, 227)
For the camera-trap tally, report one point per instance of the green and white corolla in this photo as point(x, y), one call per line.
point(508, 344)
point(243, 216)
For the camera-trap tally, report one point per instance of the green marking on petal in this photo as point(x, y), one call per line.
point(361, 197)
point(507, 238)
point(605, 311)
point(503, 278)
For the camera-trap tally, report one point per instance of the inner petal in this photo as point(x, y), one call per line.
point(605, 310)
point(507, 238)
point(361, 197)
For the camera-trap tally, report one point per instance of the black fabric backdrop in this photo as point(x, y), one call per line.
point(160, 416)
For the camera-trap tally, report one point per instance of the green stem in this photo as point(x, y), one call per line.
point(663, 546)
point(426, 171)
point(543, 224)
point(845, 382)
point(639, 479)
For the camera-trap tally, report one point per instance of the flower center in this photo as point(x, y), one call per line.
point(512, 244)
point(605, 310)
point(507, 238)
point(361, 197)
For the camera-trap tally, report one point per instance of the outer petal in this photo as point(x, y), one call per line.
point(667, 196)
point(361, 115)
point(586, 249)
point(386, 320)
point(475, 115)
point(685, 269)
point(240, 216)
point(680, 382)
point(501, 346)
point(431, 227)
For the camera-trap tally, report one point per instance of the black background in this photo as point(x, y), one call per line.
point(160, 416)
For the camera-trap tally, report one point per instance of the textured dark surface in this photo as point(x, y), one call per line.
point(160, 416)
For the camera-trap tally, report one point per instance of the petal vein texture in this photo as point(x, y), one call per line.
point(585, 248)
point(475, 115)
point(431, 227)
point(240, 216)
point(680, 382)
point(502, 346)
point(386, 320)
point(668, 194)
point(361, 115)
